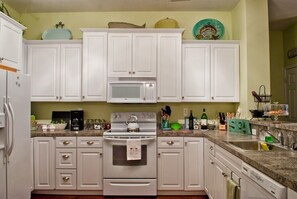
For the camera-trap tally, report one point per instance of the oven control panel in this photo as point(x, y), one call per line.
point(119, 117)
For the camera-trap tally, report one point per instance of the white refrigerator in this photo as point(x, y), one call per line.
point(15, 172)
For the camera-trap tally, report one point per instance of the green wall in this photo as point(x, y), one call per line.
point(290, 42)
point(102, 110)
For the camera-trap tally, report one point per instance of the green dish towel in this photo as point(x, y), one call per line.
point(233, 190)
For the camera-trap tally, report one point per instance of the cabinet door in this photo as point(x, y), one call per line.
point(94, 66)
point(44, 67)
point(196, 73)
point(70, 73)
point(144, 55)
point(208, 170)
point(169, 67)
point(119, 54)
point(44, 163)
point(11, 44)
point(89, 169)
point(194, 164)
point(219, 180)
point(170, 169)
point(225, 72)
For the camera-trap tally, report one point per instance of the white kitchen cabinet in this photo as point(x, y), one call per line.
point(193, 163)
point(11, 36)
point(170, 163)
point(169, 67)
point(208, 168)
point(196, 72)
point(89, 163)
point(32, 163)
point(132, 54)
point(291, 194)
point(210, 71)
point(224, 72)
point(65, 163)
point(94, 65)
point(220, 179)
point(55, 69)
point(44, 163)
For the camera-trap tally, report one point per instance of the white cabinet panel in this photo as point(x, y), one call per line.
point(194, 164)
point(196, 72)
point(55, 70)
point(94, 66)
point(225, 72)
point(89, 169)
point(11, 35)
point(169, 67)
point(44, 163)
point(170, 169)
point(66, 179)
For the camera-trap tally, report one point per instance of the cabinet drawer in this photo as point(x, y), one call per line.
point(170, 142)
point(210, 147)
point(66, 158)
point(89, 142)
point(65, 179)
point(66, 142)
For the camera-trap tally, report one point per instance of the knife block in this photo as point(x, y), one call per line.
point(222, 127)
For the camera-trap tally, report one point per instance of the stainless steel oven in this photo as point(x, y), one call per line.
point(135, 175)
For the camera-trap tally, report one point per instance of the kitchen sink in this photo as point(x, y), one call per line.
point(255, 146)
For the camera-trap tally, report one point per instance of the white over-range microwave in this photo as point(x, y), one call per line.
point(132, 92)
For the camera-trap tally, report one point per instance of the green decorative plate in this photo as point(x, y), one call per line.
point(208, 29)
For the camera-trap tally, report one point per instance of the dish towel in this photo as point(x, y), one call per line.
point(133, 149)
point(233, 190)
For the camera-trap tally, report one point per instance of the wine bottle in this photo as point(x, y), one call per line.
point(203, 121)
point(191, 121)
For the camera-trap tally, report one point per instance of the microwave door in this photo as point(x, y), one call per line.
point(126, 92)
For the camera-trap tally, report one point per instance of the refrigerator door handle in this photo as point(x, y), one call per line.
point(7, 135)
point(12, 129)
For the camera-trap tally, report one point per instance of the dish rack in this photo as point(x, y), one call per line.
point(261, 97)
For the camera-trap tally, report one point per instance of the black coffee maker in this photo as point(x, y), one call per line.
point(76, 120)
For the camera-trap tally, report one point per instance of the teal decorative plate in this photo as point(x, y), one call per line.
point(208, 29)
point(56, 34)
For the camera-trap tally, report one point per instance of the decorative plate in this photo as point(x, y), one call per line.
point(208, 29)
point(56, 34)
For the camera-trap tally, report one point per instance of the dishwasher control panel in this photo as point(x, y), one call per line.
point(270, 185)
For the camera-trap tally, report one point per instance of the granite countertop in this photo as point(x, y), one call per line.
point(289, 126)
point(279, 165)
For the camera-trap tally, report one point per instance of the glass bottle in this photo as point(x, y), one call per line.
point(191, 121)
point(203, 121)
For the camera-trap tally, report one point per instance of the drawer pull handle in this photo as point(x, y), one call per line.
point(224, 174)
point(65, 156)
point(90, 142)
point(211, 148)
point(66, 142)
point(211, 162)
point(65, 179)
point(170, 142)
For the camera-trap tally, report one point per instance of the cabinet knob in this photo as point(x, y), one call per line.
point(133, 72)
point(66, 142)
point(129, 72)
point(211, 148)
point(90, 142)
point(212, 97)
point(65, 156)
point(158, 98)
point(65, 179)
point(211, 162)
point(1, 59)
point(170, 142)
point(83, 97)
point(57, 97)
point(159, 154)
point(100, 154)
point(60, 97)
point(224, 174)
point(183, 97)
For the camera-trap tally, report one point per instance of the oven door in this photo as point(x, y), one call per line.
point(116, 164)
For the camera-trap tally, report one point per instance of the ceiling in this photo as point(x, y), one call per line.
point(282, 13)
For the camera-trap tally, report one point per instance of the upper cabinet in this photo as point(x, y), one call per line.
point(132, 54)
point(210, 71)
point(169, 67)
point(55, 69)
point(94, 65)
point(11, 36)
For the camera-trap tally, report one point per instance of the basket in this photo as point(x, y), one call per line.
point(60, 126)
point(262, 95)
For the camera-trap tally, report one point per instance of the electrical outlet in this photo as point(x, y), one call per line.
point(186, 112)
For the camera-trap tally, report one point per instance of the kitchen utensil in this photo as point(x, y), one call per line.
point(132, 125)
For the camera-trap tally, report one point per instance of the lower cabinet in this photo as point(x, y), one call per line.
point(180, 163)
point(219, 166)
point(67, 163)
point(44, 163)
point(89, 163)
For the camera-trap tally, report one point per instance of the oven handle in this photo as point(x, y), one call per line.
point(119, 139)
